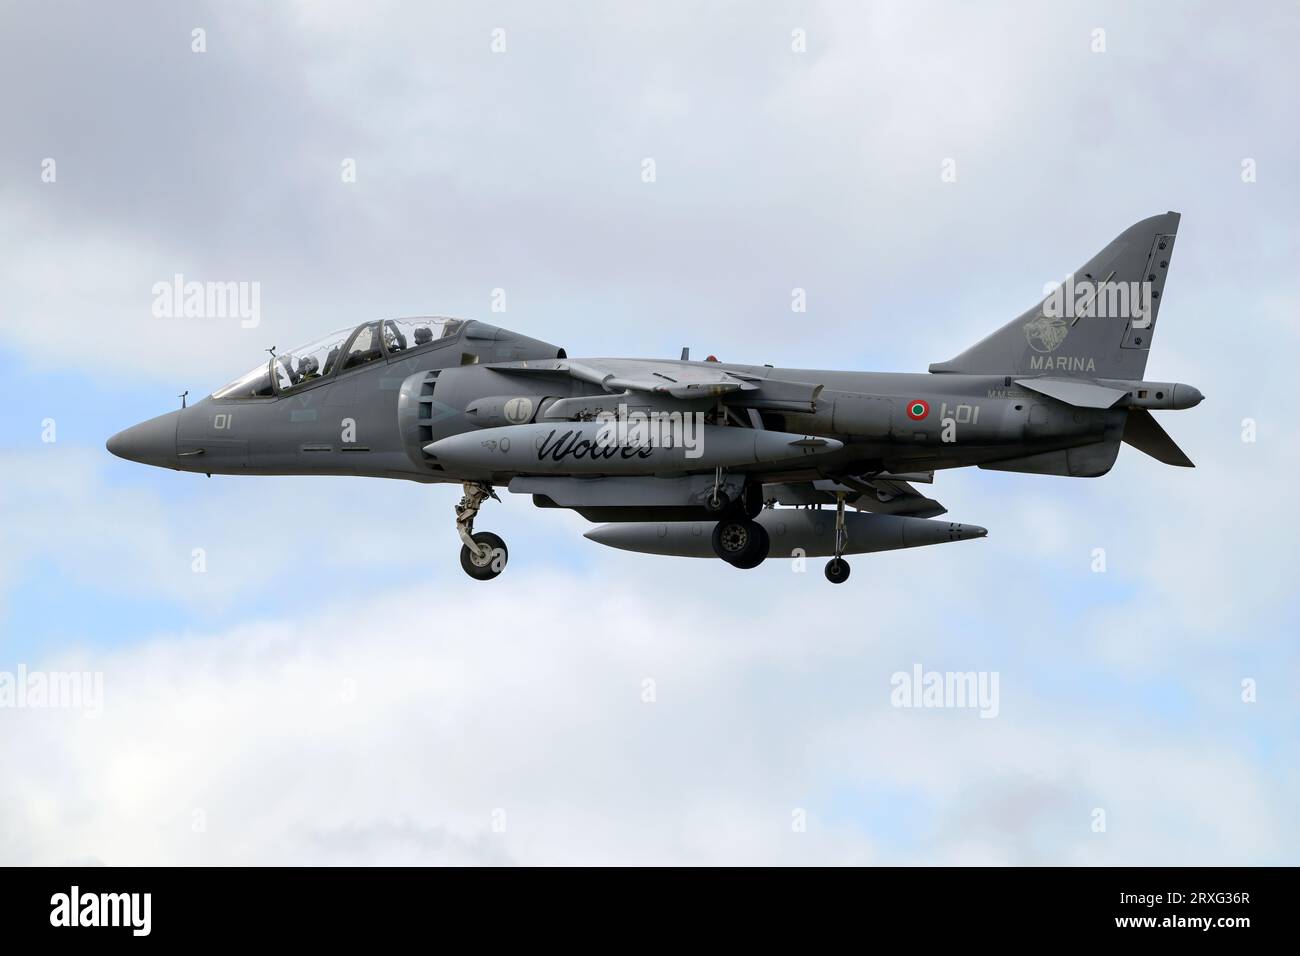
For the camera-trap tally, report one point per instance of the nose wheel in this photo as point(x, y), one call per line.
point(483, 555)
point(837, 569)
point(488, 559)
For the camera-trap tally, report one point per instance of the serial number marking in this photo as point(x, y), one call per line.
point(962, 414)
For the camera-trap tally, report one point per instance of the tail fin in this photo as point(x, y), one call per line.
point(1099, 324)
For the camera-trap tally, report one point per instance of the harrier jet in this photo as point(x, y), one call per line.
point(702, 459)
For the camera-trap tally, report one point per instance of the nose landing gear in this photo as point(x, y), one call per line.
point(483, 555)
point(837, 569)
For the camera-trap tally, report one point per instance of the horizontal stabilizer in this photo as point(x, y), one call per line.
point(1074, 392)
point(1144, 433)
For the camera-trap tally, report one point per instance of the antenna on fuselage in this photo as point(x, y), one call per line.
point(182, 397)
point(686, 353)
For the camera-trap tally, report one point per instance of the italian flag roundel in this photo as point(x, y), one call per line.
point(918, 409)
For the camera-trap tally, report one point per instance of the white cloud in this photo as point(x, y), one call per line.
point(392, 730)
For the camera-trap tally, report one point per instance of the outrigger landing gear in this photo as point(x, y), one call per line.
point(837, 569)
point(717, 503)
point(482, 555)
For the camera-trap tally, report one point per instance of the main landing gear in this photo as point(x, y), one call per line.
point(737, 538)
point(837, 569)
point(483, 555)
point(741, 542)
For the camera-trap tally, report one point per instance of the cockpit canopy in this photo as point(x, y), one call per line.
point(338, 352)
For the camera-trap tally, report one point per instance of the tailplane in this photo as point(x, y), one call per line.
point(1144, 433)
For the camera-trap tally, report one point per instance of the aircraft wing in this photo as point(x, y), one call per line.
point(880, 494)
point(677, 379)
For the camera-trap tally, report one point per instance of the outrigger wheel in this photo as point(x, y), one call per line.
point(483, 554)
point(741, 542)
point(747, 503)
point(716, 501)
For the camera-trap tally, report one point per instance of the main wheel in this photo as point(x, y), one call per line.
point(732, 538)
point(739, 540)
point(837, 570)
point(758, 549)
point(482, 568)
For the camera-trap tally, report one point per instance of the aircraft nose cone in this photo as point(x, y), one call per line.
point(150, 443)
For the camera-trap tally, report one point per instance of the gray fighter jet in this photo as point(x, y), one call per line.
point(702, 459)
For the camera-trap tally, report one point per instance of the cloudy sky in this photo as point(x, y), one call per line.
point(331, 688)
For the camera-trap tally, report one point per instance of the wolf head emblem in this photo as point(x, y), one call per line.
point(1046, 333)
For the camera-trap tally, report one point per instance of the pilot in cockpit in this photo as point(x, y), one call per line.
point(284, 365)
point(394, 340)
